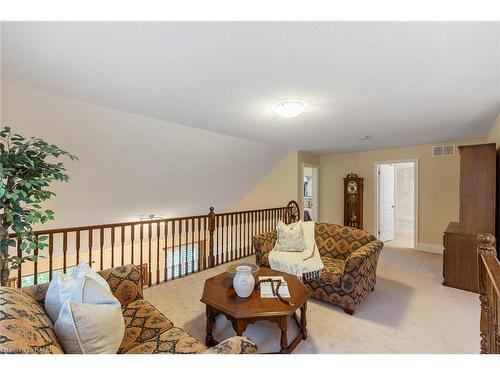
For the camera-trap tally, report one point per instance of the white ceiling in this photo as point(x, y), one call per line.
point(400, 83)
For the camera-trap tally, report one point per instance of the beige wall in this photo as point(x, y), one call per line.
point(276, 189)
point(283, 184)
point(438, 180)
point(494, 135)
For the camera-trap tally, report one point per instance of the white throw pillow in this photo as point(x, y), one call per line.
point(290, 237)
point(83, 269)
point(96, 327)
point(64, 287)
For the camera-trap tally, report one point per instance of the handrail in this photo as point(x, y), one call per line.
point(489, 294)
point(129, 223)
point(165, 248)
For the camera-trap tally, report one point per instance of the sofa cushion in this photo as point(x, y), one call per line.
point(174, 341)
point(24, 325)
point(125, 283)
point(37, 292)
point(142, 323)
point(234, 345)
point(333, 271)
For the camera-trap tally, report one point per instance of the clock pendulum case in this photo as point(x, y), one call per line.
point(353, 201)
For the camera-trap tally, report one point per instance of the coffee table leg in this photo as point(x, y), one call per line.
point(209, 340)
point(284, 334)
point(303, 321)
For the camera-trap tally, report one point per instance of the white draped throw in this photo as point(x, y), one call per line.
point(306, 264)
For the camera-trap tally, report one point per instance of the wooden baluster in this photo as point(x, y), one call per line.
point(51, 253)
point(173, 250)
point(180, 248)
point(231, 226)
point(240, 220)
point(112, 247)
point(91, 242)
point(227, 238)
point(122, 240)
point(211, 229)
point(485, 248)
point(250, 234)
point(252, 231)
point(141, 248)
point(35, 265)
point(77, 246)
point(236, 238)
point(217, 238)
point(158, 253)
point(244, 234)
point(65, 250)
point(205, 225)
point(101, 244)
point(165, 249)
point(132, 238)
point(149, 254)
point(192, 245)
point(222, 238)
point(494, 319)
point(186, 268)
point(199, 244)
point(19, 271)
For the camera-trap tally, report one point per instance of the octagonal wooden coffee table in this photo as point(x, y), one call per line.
point(220, 298)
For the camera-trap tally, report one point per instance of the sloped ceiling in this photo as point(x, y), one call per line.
point(131, 165)
point(399, 83)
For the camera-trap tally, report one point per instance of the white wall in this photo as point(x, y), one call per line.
point(404, 214)
point(132, 165)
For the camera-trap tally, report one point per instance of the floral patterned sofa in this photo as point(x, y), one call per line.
point(350, 257)
point(26, 328)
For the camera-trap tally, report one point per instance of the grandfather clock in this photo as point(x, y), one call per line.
point(353, 201)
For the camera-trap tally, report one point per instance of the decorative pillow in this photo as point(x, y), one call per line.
point(96, 327)
point(64, 287)
point(290, 237)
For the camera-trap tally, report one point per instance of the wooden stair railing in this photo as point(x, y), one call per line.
point(164, 249)
point(489, 294)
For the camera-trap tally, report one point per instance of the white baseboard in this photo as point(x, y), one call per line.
point(430, 248)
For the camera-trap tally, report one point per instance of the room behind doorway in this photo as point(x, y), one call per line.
point(397, 202)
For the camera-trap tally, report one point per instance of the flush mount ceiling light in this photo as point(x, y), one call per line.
point(364, 137)
point(289, 108)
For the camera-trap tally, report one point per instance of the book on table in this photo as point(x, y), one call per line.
point(270, 291)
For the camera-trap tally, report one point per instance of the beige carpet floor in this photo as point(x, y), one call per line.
point(408, 312)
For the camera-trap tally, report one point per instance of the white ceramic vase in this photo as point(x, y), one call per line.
point(243, 281)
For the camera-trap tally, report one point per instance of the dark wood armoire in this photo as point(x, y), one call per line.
point(476, 215)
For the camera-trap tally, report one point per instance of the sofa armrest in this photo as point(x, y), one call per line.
point(263, 243)
point(125, 283)
point(361, 257)
point(234, 345)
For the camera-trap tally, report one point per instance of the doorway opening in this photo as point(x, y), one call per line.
point(397, 202)
point(310, 174)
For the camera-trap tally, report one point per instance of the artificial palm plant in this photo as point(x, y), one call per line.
point(27, 167)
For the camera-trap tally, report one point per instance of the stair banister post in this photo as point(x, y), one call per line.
point(485, 248)
point(211, 230)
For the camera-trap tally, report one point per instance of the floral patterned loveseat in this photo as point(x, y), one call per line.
point(26, 328)
point(350, 257)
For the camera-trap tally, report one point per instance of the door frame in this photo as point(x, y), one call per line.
point(315, 189)
point(415, 190)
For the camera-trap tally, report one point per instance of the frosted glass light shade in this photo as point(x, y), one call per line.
point(289, 108)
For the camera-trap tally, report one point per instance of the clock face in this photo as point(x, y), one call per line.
point(352, 187)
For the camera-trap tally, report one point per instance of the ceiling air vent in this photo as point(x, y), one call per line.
point(443, 150)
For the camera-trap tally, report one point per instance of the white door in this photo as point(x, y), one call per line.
point(386, 202)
